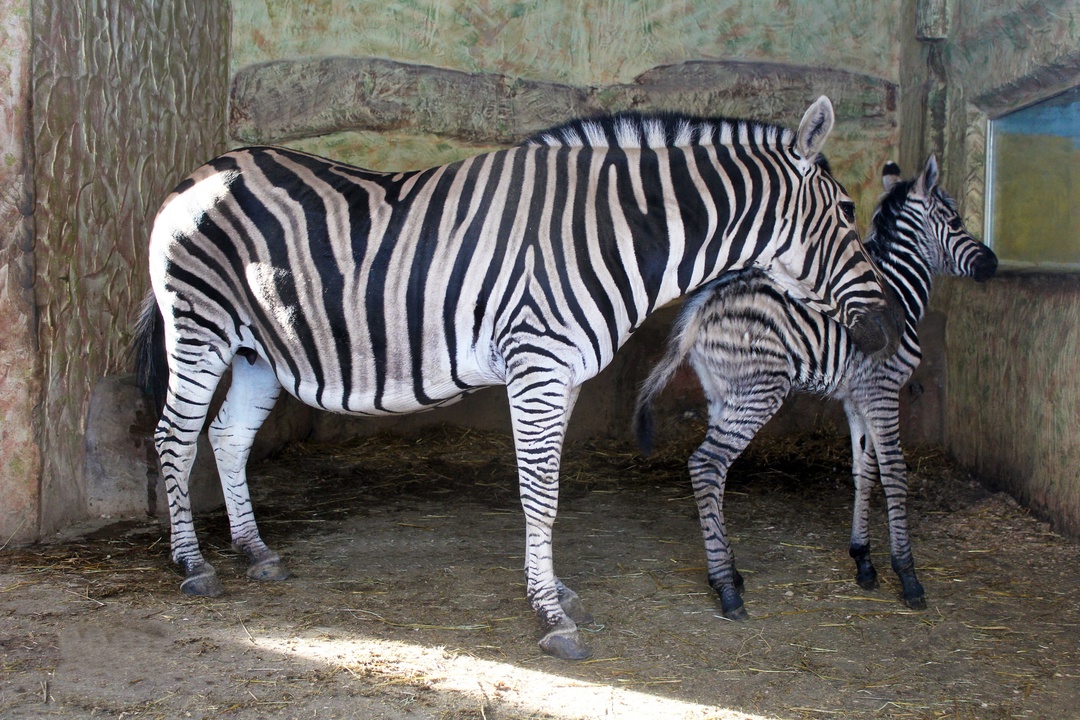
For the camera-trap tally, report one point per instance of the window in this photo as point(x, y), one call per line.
point(1033, 184)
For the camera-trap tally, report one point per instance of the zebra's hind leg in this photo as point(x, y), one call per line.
point(251, 397)
point(736, 413)
point(572, 605)
point(176, 438)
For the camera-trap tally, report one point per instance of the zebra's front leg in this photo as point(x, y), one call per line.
point(881, 424)
point(540, 406)
point(864, 472)
point(894, 482)
point(251, 397)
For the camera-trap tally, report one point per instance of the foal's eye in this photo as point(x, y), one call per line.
point(848, 208)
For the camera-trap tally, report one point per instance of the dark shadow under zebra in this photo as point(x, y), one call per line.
point(751, 344)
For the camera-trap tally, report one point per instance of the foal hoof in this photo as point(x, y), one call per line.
point(868, 581)
point(732, 604)
point(913, 594)
point(204, 583)
point(918, 603)
point(269, 570)
point(564, 642)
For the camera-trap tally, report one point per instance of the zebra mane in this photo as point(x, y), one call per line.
point(659, 130)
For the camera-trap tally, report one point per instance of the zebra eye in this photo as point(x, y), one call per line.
point(848, 208)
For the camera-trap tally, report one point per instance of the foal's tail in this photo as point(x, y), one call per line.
point(684, 333)
point(148, 348)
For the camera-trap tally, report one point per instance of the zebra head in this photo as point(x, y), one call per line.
point(931, 213)
point(820, 258)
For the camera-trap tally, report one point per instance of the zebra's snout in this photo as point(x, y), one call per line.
point(875, 333)
point(985, 266)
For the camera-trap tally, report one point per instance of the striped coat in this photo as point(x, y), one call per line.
point(751, 344)
point(373, 293)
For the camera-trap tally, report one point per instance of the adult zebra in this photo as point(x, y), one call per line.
point(751, 344)
point(371, 293)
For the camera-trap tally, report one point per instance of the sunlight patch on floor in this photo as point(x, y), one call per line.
point(491, 683)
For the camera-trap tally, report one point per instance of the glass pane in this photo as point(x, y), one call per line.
point(1035, 194)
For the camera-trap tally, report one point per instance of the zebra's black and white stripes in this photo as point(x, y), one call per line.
point(372, 293)
point(751, 344)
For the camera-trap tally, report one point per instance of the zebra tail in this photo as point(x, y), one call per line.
point(148, 348)
point(684, 333)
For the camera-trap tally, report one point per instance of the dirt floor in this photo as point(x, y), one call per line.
point(407, 600)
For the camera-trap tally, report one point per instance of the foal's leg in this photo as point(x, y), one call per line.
point(736, 413)
point(864, 473)
point(884, 421)
point(880, 422)
point(251, 397)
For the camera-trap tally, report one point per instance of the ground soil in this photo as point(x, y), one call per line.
point(407, 600)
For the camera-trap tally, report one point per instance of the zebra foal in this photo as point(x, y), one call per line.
point(751, 344)
point(374, 293)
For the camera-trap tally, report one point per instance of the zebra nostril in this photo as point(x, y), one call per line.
point(985, 267)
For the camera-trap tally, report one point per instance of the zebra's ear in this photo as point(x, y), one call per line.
point(814, 129)
point(928, 179)
point(890, 175)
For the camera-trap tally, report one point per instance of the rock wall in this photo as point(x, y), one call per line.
point(128, 97)
point(416, 84)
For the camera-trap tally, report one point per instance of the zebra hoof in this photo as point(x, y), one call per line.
point(913, 596)
point(918, 603)
point(867, 581)
point(564, 642)
point(268, 571)
point(202, 583)
point(732, 604)
point(574, 608)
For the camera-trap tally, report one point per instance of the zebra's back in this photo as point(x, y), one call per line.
point(750, 334)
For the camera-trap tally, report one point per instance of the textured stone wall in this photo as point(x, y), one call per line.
point(422, 82)
point(20, 384)
point(433, 60)
point(129, 96)
point(579, 42)
point(1011, 345)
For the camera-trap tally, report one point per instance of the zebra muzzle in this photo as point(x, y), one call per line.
point(876, 333)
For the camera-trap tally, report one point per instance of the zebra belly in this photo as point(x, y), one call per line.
point(371, 392)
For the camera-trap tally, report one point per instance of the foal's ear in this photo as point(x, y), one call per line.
point(928, 179)
point(890, 175)
point(814, 128)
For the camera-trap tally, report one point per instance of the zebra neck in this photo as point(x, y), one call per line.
point(907, 273)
